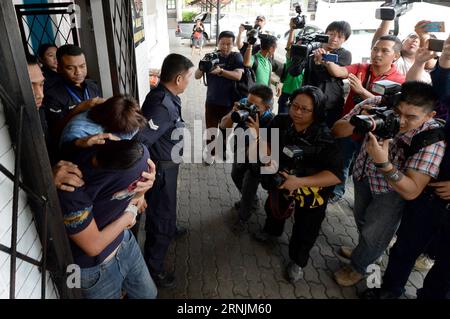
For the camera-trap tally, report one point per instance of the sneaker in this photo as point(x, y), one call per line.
point(164, 280)
point(263, 237)
point(424, 263)
point(335, 199)
point(347, 277)
point(180, 232)
point(294, 272)
point(345, 255)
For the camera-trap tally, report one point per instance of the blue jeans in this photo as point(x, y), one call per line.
point(349, 148)
point(126, 270)
point(377, 218)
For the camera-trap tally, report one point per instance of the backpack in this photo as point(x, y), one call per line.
point(248, 79)
point(424, 139)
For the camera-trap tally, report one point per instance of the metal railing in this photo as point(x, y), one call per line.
point(15, 178)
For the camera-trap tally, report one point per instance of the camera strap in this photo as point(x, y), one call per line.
point(423, 139)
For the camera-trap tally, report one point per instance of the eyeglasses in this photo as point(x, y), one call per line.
point(302, 109)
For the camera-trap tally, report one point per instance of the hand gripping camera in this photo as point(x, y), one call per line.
point(308, 44)
point(295, 154)
point(209, 62)
point(299, 20)
point(382, 121)
point(245, 111)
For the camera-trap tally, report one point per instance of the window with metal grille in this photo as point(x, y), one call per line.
point(171, 4)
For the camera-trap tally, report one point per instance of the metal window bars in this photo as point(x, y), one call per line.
point(15, 178)
point(121, 50)
point(45, 16)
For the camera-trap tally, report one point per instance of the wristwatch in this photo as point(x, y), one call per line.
point(133, 209)
point(382, 165)
point(394, 175)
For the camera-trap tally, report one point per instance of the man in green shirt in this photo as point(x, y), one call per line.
point(260, 62)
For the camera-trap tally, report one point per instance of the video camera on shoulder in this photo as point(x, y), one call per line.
point(309, 43)
point(393, 9)
point(245, 111)
point(382, 120)
point(209, 62)
point(299, 20)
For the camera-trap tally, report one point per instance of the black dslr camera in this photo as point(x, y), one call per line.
point(299, 20)
point(209, 62)
point(295, 154)
point(308, 44)
point(382, 121)
point(252, 36)
point(245, 111)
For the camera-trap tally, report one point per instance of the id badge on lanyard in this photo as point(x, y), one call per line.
point(76, 97)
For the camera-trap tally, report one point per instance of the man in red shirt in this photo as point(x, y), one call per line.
point(361, 76)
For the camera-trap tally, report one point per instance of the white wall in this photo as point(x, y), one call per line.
point(28, 277)
point(151, 53)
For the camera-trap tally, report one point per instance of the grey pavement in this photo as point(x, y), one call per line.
point(212, 262)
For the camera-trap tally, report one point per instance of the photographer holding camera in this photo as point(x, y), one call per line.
point(246, 175)
point(361, 77)
point(317, 75)
point(260, 22)
point(226, 69)
point(309, 166)
point(261, 61)
point(388, 172)
point(425, 225)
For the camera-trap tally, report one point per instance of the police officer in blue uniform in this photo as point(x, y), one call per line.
point(162, 108)
point(71, 95)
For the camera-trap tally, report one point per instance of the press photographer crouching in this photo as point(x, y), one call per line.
point(389, 170)
point(220, 70)
point(246, 175)
point(310, 165)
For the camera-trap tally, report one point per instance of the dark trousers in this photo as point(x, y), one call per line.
point(307, 223)
point(246, 179)
point(425, 220)
point(213, 114)
point(161, 215)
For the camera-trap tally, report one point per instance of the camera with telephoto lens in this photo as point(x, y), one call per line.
point(244, 112)
point(309, 43)
point(393, 9)
point(299, 20)
point(382, 120)
point(209, 62)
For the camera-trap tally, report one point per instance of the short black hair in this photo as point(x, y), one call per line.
point(267, 41)
point(43, 48)
point(397, 43)
point(264, 92)
point(31, 59)
point(68, 49)
point(174, 65)
point(318, 98)
point(226, 34)
point(342, 27)
point(130, 152)
point(419, 94)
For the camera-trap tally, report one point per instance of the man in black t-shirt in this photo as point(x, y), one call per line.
point(98, 216)
point(221, 81)
point(317, 75)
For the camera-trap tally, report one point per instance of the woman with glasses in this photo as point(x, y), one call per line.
point(308, 167)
